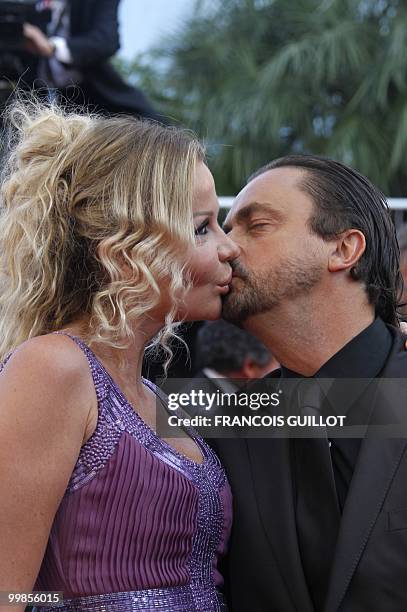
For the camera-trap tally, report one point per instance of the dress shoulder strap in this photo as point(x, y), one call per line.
point(98, 375)
point(5, 360)
point(101, 445)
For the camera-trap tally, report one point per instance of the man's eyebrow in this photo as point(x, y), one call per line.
point(244, 214)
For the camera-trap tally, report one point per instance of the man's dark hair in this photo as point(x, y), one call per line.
point(402, 240)
point(345, 199)
point(224, 347)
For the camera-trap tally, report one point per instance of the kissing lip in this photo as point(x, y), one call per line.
point(224, 289)
point(227, 282)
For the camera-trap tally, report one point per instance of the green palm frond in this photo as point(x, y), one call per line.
point(258, 79)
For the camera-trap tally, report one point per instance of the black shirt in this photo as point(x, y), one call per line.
point(363, 357)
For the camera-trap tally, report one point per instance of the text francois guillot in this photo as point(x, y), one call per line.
point(254, 401)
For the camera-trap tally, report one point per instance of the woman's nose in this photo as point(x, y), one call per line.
point(228, 249)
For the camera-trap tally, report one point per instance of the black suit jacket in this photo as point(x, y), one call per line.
point(93, 40)
point(94, 31)
point(369, 573)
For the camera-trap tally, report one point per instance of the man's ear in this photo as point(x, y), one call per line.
point(349, 248)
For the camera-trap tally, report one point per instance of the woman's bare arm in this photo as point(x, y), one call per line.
point(46, 396)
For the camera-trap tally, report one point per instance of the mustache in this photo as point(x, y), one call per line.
point(238, 269)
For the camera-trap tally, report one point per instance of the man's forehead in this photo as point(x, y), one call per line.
point(273, 182)
point(271, 191)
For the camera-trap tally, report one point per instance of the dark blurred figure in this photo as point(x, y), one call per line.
point(226, 354)
point(402, 240)
point(72, 58)
point(227, 357)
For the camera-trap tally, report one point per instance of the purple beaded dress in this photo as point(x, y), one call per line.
point(140, 526)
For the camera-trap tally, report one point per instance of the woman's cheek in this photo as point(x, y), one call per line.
point(204, 266)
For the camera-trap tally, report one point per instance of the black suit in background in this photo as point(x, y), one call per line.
point(369, 571)
point(93, 40)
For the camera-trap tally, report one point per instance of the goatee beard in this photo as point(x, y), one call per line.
point(258, 293)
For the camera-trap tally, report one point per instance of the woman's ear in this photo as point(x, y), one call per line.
point(349, 248)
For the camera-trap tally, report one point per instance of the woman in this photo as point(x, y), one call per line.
point(108, 235)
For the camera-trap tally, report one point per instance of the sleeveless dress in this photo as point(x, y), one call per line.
point(140, 526)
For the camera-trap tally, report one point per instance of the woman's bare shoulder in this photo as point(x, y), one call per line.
point(54, 368)
point(51, 350)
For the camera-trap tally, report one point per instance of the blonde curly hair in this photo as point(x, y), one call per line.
point(81, 198)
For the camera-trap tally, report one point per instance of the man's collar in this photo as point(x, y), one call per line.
point(362, 357)
point(225, 384)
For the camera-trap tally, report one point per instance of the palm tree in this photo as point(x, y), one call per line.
point(262, 78)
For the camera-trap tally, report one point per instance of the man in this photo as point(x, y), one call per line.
point(74, 57)
point(318, 280)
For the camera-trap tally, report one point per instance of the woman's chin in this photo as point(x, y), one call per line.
point(212, 317)
point(210, 312)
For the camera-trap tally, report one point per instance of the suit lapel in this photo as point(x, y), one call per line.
point(376, 467)
point(271, 472)
point(377, 464)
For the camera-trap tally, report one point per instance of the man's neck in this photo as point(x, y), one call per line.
point(304, 338)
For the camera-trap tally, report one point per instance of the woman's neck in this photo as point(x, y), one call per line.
point(124, 365)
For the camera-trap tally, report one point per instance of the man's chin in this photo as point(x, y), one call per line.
point(233, 310)
point(242, 309)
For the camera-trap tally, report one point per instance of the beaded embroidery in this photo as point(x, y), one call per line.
point(116, 415)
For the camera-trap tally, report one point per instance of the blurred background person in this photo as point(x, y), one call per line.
point(225, 357)
point(227, 354)
point(17, 65)
point(71, 51)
